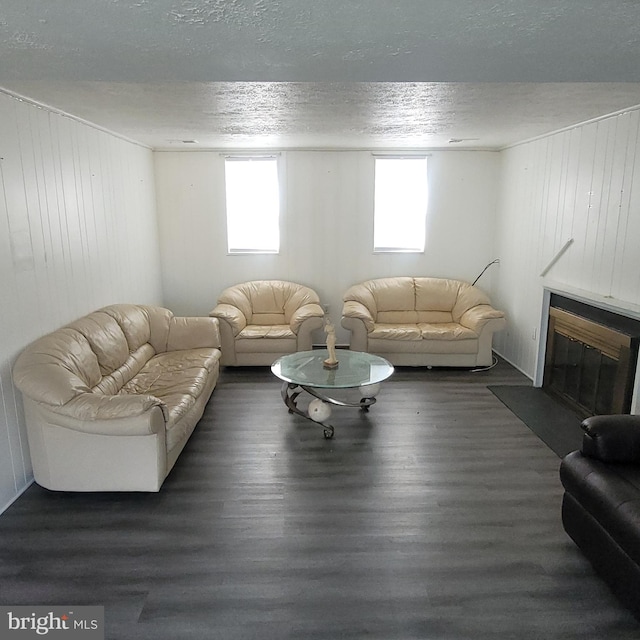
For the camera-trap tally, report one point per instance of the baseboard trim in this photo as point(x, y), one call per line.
point(6, 506)
point(513, 364)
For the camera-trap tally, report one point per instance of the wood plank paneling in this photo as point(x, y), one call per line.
point(624, 283)
point(582, 184)
point(77, 231)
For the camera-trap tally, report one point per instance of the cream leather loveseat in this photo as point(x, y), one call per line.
point(111, 399)
point(262, 320)
point(422, 321)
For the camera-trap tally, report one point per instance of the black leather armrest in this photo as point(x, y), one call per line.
point(613, 438)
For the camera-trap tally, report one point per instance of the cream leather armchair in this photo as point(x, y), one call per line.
point(262, 320)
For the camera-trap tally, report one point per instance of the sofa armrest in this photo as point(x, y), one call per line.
point(358, 336)
point(614, 438)
point(230, 314)
point(126, 414)
point(353, 309)
point(193, 333)
point(306, 311)
point(477, 317)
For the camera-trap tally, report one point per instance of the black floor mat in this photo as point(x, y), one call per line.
point(557, 426)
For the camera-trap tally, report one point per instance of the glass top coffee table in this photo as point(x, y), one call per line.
point(306, 371)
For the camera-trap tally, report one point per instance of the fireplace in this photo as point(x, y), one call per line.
point(591, 356)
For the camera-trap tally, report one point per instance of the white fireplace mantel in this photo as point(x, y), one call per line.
point(608, 303)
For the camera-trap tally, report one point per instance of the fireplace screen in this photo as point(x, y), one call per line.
point(590, 365)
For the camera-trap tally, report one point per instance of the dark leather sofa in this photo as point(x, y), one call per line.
point(601, 503)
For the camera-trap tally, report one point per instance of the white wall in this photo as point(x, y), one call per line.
point(582, 184)
point(77, 232)
point(326, 229)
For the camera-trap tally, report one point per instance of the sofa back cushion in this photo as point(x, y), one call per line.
point(389, 300)
point(407, 300)
point(106, 339)
point(98, 352)
point(133, 321)
point(56, 368)
point(436, 294)
point(393, 294)
point(268, 302)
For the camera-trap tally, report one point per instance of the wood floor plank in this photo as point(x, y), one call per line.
point(436, 515)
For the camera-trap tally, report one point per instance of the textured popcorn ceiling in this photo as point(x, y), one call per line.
point(324, 73)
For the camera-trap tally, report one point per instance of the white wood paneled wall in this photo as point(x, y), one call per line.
point(326, 226)
point(581, 184)
point(77, 231)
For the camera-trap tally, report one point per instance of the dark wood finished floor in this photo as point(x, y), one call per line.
point(434, 516)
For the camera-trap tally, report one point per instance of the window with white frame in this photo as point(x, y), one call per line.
point(400, 204)
point(253, 204)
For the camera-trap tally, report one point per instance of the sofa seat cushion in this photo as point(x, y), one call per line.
point(610, 493)
point(177, 378)
point(382, 331)
point(271, 331)
point(422, 331)
point(446, 331)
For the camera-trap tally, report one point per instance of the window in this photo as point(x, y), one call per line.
point(253, 204)
point(400, 204)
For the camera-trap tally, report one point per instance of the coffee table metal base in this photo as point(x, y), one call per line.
point(291, 391)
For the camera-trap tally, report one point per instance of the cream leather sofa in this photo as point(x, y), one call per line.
point(262, 320)
point(111, 399)
point(422, 321)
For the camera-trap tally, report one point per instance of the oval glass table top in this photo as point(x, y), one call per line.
point(354, 369)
